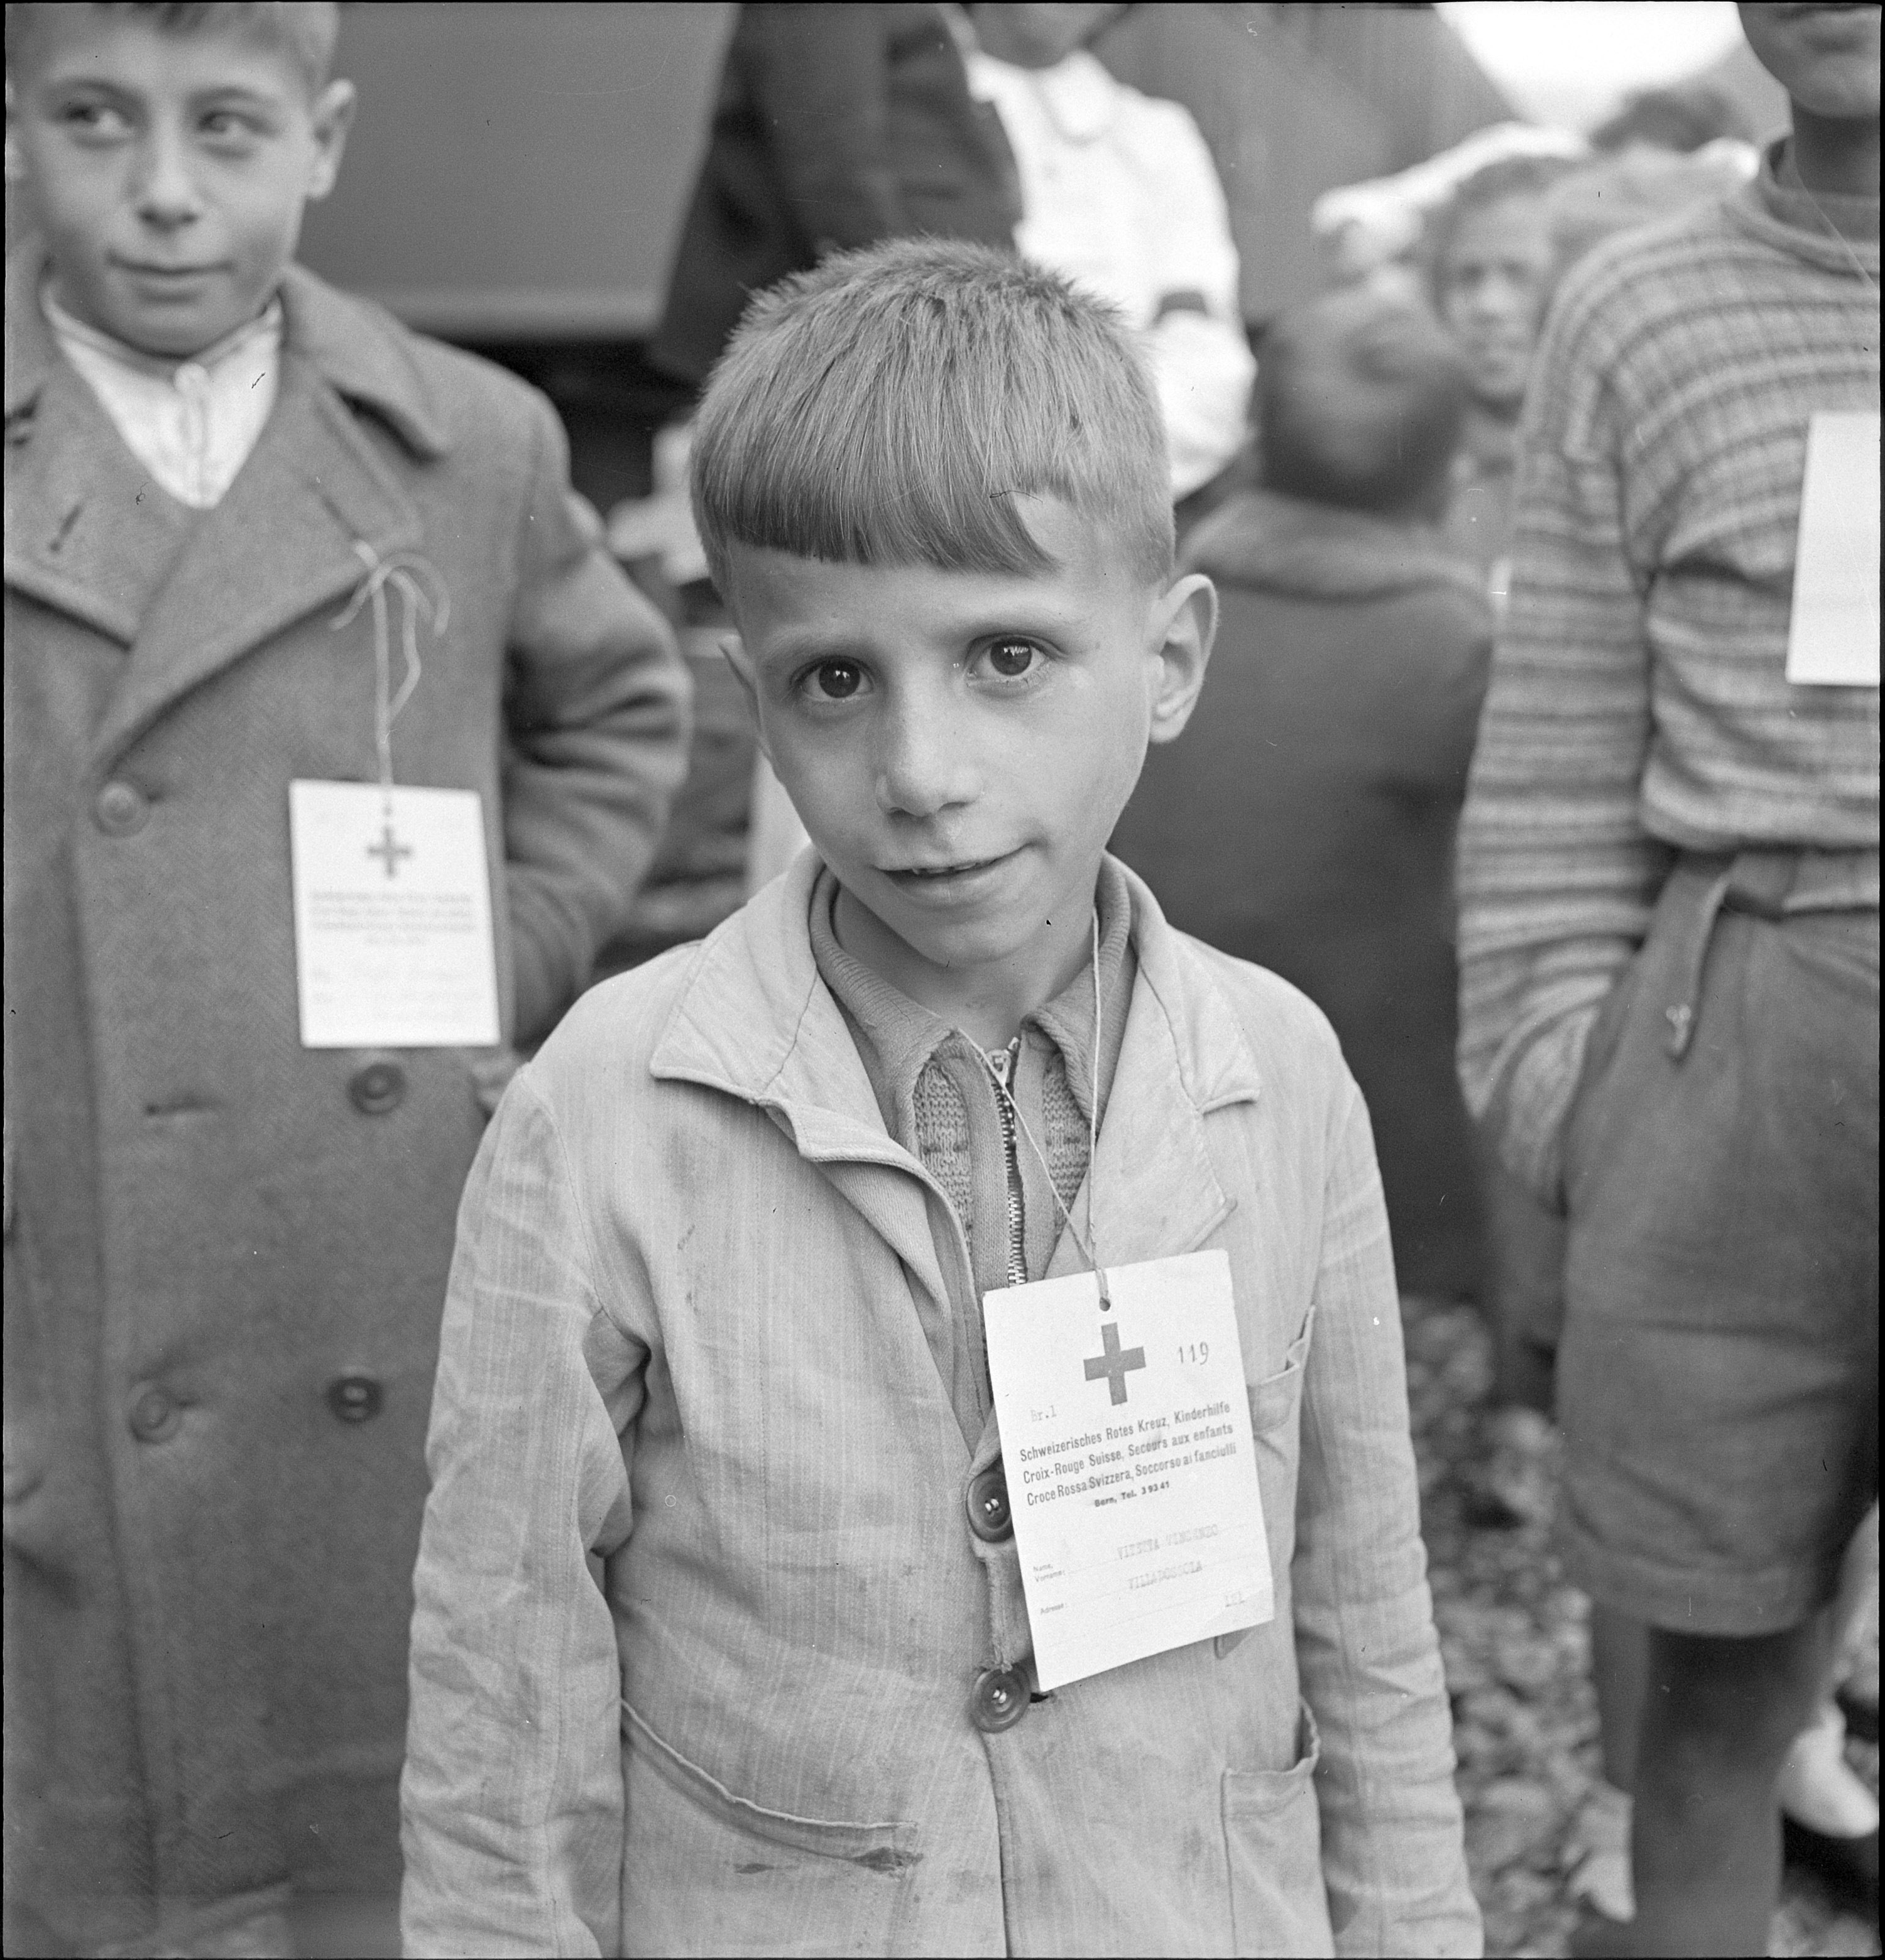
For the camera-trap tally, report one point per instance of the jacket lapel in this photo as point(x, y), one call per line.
point(1153, 1192)
point(757, 1022)
point(86, 532)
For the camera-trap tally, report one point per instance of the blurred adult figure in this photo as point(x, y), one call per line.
point(1118, 192)
point(1306, 820)
point(835, 126)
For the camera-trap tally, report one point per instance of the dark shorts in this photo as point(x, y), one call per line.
point(1718, 1374)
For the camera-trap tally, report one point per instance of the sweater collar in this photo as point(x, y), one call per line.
point(1838, 234)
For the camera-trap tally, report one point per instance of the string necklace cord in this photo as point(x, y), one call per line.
point(1845, 243)
point(1088, 1241)
point(423, 595)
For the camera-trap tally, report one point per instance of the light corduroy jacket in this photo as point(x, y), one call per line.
point(698, 1608)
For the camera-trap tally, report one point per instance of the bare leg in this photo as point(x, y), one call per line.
point(1718, 1717)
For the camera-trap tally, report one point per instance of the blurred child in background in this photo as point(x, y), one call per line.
point(1306, 820)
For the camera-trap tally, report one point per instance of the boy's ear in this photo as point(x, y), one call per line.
point(332, 117)
point(737, 658)
point(1187, 620)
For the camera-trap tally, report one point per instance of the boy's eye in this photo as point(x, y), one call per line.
point(838, 680)
point(94, 118)
point(1010, 659)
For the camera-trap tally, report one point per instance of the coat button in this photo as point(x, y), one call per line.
point(998, 1700)
point(154, 1416)
point(989, 1517)
point(355, 1397)
point(378, 1089)
point(122, 810)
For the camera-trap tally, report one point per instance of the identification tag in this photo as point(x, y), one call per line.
point(1132, 1475)
point(393, 938)
point(1832, 637)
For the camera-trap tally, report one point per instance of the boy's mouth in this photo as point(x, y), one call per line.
point(942, 879)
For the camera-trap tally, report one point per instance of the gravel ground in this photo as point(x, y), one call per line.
point(1516, 1639)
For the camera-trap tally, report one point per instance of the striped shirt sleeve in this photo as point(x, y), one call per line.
point(1557, 875)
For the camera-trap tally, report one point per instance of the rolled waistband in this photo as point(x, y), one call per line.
point(1779, 881)
point(1769, 881)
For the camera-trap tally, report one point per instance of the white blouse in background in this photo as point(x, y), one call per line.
point(1119, 192)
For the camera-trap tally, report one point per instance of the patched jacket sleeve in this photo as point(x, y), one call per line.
point(596, 715)
point(512, 1797)
point(1393, 1851)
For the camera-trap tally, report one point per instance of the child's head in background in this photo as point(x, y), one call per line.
point(165, 154)
point(1361, 399)
point(932, 484)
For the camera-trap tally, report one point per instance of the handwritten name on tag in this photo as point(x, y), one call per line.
point(1832, 635)
point(393, 937)
point(1130, 1471)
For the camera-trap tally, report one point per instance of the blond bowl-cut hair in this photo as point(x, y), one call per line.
point(891, 407)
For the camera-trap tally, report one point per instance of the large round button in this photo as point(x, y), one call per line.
point(378, 1089)
point(998, 1699)
point(355, 1397)
point(989, 1517)
point(155, 1415)
point(122, 810)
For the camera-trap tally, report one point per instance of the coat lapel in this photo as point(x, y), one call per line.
point(88, 532)
point(312, 490)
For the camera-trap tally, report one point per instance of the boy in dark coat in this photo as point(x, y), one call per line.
point(1306, 821)
point(257, 535)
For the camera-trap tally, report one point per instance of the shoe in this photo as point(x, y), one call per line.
point(1817, 1788)
point(1597, 1856)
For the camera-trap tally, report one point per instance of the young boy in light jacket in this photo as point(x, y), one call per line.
point(724, 1639)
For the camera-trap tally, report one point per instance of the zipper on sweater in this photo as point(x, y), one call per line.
point(1002, 1062)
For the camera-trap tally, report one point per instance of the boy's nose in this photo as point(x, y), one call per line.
point(924, 766)
point(165, 190)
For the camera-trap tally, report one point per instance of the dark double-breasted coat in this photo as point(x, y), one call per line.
point(226, 1253)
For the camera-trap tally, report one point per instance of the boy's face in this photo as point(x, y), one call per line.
point(960, 744)
point(1493, 287)
point(166, 171)
point(1825, 57)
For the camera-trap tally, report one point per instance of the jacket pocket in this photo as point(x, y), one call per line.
point(1272, 1834)
point(1274, 1400)
point(876, 1847)
point(1276, 1405)
point(1600, 1051)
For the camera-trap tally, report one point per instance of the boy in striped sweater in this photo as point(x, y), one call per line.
point(1669, 880)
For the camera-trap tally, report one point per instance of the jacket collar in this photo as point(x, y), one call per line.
point(755, 1021)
